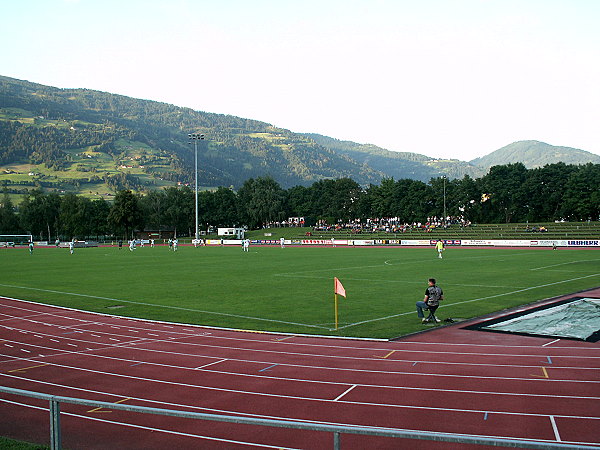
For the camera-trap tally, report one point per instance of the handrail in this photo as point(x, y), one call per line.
point(337, 430)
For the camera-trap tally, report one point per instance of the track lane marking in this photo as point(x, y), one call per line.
point(102, 410)
point(24, 369)
point(344, 393)
point(545, 374)
point(161, 430)
point(347, 402)
point(551, 342)
point(555, 429)
point(223, 337)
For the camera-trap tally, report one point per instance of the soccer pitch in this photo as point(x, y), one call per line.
point(291, 289)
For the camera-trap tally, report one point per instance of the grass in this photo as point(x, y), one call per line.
point(291, 289)
point(11, 444)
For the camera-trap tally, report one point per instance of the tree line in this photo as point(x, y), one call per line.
point(506, 194)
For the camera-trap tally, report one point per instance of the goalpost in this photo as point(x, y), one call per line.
point(10, 240)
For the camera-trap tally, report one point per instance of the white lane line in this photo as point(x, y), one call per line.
point(160, 430)
point(555, 428)
point(551, 342)
point(210, 364)
point(309, 399)
point(129, 344)
point(295, 343)
point(345, 392)
point(309, 381)
point(201, 408)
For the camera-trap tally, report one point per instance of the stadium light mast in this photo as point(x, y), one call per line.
point(445, 224)
point(195, 137)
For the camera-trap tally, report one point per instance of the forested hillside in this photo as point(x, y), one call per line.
point(94, 143)
point(54, 127)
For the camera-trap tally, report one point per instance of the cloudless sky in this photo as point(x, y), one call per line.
point(445, 78)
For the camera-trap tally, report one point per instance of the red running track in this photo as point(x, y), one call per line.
point(446, 380)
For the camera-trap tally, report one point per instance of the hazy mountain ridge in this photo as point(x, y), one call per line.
point(535, 154)
point(399, 165)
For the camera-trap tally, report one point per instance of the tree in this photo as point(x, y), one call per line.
point(180, 209)
point(153, 206)
point(39, 212)
point(225, 208)
point(9, 223)
point(582, 193)
point(72, 216)
point(99, 210)
point(508, 200)
point(261, 200)
point(126, 215)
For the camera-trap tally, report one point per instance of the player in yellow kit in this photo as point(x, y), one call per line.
point(439, 246)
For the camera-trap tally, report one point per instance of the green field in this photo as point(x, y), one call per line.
point(291, 289)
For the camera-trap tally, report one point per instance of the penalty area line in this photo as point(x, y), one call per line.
point(179, 308)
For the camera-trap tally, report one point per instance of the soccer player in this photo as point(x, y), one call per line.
point(439, 246)
point(132, 245)
point(71, 246)
point(282, 242)
point(175, 244)
point(31, 247)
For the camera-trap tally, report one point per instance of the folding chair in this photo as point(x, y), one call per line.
point(431, 317)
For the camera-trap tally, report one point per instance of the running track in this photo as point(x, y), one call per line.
point(445, 380)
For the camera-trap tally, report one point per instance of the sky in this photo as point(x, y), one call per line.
point(444, 78)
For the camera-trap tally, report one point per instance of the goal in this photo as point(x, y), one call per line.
point(10, 240)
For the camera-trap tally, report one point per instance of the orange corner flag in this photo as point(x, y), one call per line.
point(339, 289)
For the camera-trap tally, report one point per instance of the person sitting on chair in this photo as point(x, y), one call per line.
point(431, 302)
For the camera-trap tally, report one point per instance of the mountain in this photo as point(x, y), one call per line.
point(94, 143)
point(80, 140)
point(535, 154)
point(399, 165)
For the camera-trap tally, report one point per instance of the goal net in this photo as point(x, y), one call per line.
point(10, 240)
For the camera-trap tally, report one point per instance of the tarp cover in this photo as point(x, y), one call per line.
point(578, 319)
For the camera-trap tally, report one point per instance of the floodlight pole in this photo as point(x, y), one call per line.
point(444, 201)
point(195, 137)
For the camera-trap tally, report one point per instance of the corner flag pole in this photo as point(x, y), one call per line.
point(337, 289)
point(335, 302)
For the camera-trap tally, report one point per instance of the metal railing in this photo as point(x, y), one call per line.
point(337, 430)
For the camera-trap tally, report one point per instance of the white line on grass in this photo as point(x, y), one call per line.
point(472, 300)
point(397, 281)
point(164, 306)
point(387, 262)
point(565, 263)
